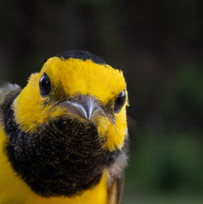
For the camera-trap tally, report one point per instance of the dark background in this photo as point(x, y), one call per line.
point(158, 45)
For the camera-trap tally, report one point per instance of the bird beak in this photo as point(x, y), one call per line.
point(83, 106)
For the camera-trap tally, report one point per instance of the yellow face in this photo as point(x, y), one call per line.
point(69, 81)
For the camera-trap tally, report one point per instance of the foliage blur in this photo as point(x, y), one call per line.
point(158, 45)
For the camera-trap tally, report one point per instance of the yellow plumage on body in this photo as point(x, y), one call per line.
point(63, 137)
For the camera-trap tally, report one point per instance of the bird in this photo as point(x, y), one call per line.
point(64, 136)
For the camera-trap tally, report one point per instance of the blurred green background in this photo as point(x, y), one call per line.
point(159, 46)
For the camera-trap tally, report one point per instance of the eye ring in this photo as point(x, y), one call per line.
point(44, 85)
point(119, 102)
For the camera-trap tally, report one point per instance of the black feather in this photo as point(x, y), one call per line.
point(83, 55)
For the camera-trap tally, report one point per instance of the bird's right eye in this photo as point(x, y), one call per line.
point(44, 85)
point(119, 102)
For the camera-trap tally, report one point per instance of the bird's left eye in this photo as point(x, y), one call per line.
point(119, 102)
point(44, 85)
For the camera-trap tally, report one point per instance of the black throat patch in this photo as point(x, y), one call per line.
point(63, 158)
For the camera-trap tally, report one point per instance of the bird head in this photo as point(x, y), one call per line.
point(83, 90)
point(71, 121)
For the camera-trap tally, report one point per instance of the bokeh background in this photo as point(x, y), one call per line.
point(159, 46)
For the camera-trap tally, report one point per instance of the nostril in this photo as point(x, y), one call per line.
point(78, 98)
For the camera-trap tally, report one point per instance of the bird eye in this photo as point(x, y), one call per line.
point(119, 102)
point(44, 85)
